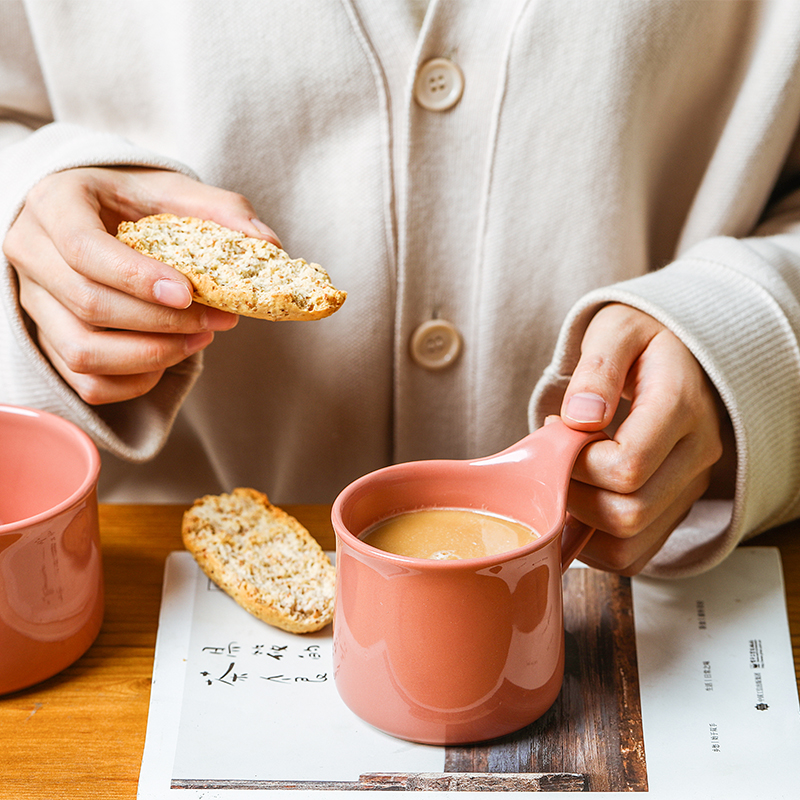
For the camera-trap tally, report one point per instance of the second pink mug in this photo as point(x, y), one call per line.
point(51, 572)
point(457, 651)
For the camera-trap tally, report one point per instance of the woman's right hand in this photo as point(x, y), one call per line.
point(109, 319)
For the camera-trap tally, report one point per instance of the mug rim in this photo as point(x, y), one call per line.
point(86, 486)
point(343, 533)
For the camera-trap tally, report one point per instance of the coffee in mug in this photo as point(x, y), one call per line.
point(448, 533)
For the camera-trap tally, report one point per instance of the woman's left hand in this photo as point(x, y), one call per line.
point(637, 487)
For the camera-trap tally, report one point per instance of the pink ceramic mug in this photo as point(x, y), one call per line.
point(51, 579)
point(457, 651)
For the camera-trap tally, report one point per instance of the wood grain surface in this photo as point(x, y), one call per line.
point(80, 735)
point(594, 729)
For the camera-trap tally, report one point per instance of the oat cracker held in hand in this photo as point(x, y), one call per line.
point(235, 272)
point(263, 558)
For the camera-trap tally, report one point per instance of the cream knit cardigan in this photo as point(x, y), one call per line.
point(628, 150)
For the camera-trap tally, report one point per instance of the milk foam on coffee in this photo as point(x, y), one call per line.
point(448, 533)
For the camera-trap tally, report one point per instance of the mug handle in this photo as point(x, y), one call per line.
point(574, 538)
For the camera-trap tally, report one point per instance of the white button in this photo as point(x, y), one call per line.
point(439, 84)
point(435, 344)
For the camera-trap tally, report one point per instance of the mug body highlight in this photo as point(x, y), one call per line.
point(51, 578)
point(457, 651)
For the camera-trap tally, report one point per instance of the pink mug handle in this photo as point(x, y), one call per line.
point(575, 534)
point(574, 538)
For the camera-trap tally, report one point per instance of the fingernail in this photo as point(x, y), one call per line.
point(265, 229)
point(172, 293)
point(586, 407)
point(197, 341)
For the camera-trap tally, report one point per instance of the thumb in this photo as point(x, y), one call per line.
point(614, 340)
point(584, 410)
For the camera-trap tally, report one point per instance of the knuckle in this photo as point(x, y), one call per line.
point(98, 390)
point(155, 352)
point(629, 516)
point(76, 249)
point(599, 364)
point(86, 303)
point(239, 201)
point(629, 570)
point(627, 475)
point(91, 390)
point(78, 357)
point(128, 273)
point(619, 562)
point(178, 322)
point(154, 356)
point(714, 451)
point(83, 251)
point(40, 192)
point(616, 555)
point(12, 249)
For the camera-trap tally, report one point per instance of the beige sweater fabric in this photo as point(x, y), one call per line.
point(634, 150)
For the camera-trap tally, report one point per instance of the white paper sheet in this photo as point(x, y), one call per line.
point(237, 705)
point(718, 687)
point(259, 704)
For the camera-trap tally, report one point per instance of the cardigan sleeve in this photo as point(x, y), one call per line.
point(735, 303)
point(33, 146)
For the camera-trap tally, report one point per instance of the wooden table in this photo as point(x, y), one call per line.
point(81, 734)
